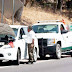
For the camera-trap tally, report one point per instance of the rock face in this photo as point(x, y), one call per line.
point(18, 14)
point(8, 7)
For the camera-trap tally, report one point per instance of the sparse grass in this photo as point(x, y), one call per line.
point(34, 14)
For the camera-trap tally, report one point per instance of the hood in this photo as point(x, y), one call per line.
point(5, 47)
point(46, 35)
point(9, 45)
point(6, 29)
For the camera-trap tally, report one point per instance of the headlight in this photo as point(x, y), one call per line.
point(50, 42)
point(6, 46)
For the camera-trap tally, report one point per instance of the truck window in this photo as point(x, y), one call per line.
point(49, 28)
point(62, 28)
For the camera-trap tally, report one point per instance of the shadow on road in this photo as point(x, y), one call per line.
point(6, 64)
point(10, 63)
point(52, 58)
point(45, 58)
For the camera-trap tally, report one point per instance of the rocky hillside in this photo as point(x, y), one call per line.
point(34, 14)
point(31, 15)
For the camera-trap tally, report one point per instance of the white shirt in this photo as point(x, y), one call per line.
point(30, 36)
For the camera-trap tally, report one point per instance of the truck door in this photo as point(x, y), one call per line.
point(65, 38)
point(70, 33)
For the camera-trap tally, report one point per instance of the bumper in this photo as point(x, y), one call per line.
point(8, 54)
point(47, 50)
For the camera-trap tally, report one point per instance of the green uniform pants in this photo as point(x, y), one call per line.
point(30, 51)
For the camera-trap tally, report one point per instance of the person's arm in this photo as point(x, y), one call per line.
point(32, 45)
point(32, 41)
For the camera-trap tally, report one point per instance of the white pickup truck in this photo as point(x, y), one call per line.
point(15, 48)
point(53, 38)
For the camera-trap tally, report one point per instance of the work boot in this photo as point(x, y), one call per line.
point(31, 62)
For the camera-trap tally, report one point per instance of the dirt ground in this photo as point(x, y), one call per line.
point(31, 15)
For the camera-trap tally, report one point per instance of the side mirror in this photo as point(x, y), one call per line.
point(24, 36)
point(64, 31)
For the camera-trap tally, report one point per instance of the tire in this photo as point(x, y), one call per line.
point(0, 62)
point(42, 57)
point(71, 54)
point(58, 51)
point(17, 62)
point(35, 55)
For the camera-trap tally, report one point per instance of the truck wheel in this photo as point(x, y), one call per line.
point(71, 54)
point(35, 55)
point(58, 51)
point(17, 62)
point(0, 61)
point(42, 57)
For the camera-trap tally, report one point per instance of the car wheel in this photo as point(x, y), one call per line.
point(35, 55)
point(58, 51)
point(17, 62)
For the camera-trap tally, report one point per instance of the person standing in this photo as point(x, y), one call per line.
point(31, 36)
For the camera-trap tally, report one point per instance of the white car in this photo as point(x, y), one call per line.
point(53, 38)
point(15, 49)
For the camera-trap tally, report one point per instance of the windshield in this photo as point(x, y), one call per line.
point(6, 38)
point(15, 30)
point(25, 30)
point(50, 28)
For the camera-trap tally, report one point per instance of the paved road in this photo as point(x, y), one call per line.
point(47, 65)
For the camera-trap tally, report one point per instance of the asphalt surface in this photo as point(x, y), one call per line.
point(46, 65)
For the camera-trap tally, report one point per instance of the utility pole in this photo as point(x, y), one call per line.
point(13, 11)
point(2, 13)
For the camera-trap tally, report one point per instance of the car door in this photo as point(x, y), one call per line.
point(21, 42)
point(26, 46)
point(65, 38)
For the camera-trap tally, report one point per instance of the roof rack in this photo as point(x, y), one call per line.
point(48, 21)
